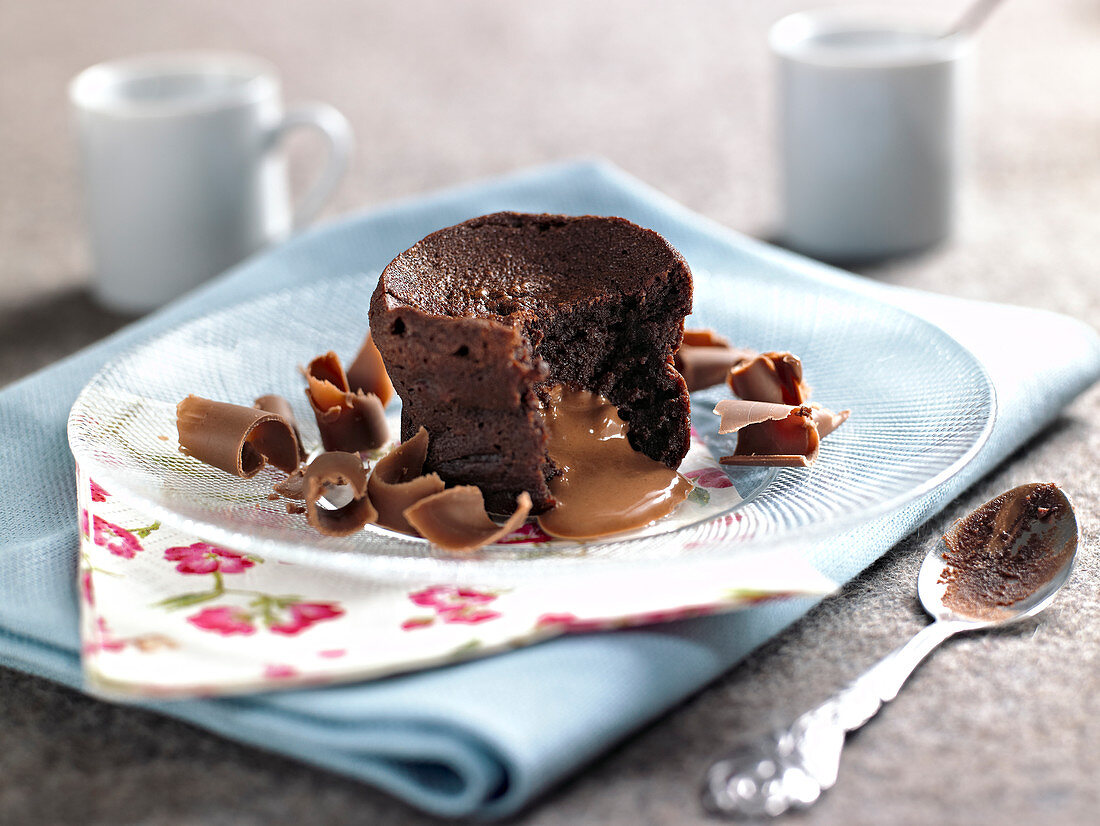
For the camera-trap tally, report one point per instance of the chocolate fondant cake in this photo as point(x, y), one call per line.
point(477, 320)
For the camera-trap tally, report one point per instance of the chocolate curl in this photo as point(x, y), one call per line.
point(769, 377)
point(704, 358)
point(826, 420)
point(328, 383)
point(234, 438)
point(293, 486)
point(368, 372)
point(456, 520)
point(775, 435)
point(281, 408)
point(737, 414)
point(397, 483)
point(348, 421)
point(769, 435)
point(704, 338)
point(370, 417)
point(331, 470)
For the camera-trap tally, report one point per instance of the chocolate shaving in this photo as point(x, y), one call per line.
point(281, 408)
point(293, 486)
point(704, 338)
point(775, 435)
point(234, 438)
point(826, 420)
point(456, 520)
point(705, 358)
point(370, 417)
point(368, 372)
point(737, 414)
point(769, 435)
point(333, 470)
point(769, 377)
point(790, 440)
point(348, 421)
point(397, 483)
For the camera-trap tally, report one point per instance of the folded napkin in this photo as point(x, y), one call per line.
point(486, 736)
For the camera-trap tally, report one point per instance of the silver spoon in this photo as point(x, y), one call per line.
point(1000, 563)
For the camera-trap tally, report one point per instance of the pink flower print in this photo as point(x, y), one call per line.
point(98, 493)
point(107, 641)
point(430, 597)
point(305, 614)
point(203, 558)
point(469, 595)
point(226, 621)
point(443, 596)
point(453, 605)
point(86, 588)
point(84, 529)
point(555, 619)
point(332, 653)
point(527, 533)
point(118, 541)
point(467, 614)
point(570, 622)
point(279, 671)
point(694, 433)
point(710, 477)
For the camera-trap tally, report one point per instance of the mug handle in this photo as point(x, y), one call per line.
point(334, 126)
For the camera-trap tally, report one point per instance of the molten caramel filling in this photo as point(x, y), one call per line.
point(604, 485)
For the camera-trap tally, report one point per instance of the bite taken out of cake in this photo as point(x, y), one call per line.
point(479, 321)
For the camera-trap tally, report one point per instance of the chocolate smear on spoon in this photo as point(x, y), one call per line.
point(1003, 552)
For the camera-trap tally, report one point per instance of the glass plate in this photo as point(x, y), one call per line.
point(921, 407)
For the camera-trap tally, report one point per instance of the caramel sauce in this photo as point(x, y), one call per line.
point(605, 486)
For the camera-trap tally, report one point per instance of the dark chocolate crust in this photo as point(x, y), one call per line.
point(476, 318)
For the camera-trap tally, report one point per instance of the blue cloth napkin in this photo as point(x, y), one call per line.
point(483, 738)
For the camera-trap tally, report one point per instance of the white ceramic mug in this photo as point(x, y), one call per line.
point(183, 171)
point(869, 131)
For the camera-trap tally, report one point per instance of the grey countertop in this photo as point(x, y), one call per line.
point(995, 728)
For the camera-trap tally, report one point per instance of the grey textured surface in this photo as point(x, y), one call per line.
point(995, 728)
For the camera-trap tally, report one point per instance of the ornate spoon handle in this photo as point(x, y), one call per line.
point(791, 767)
